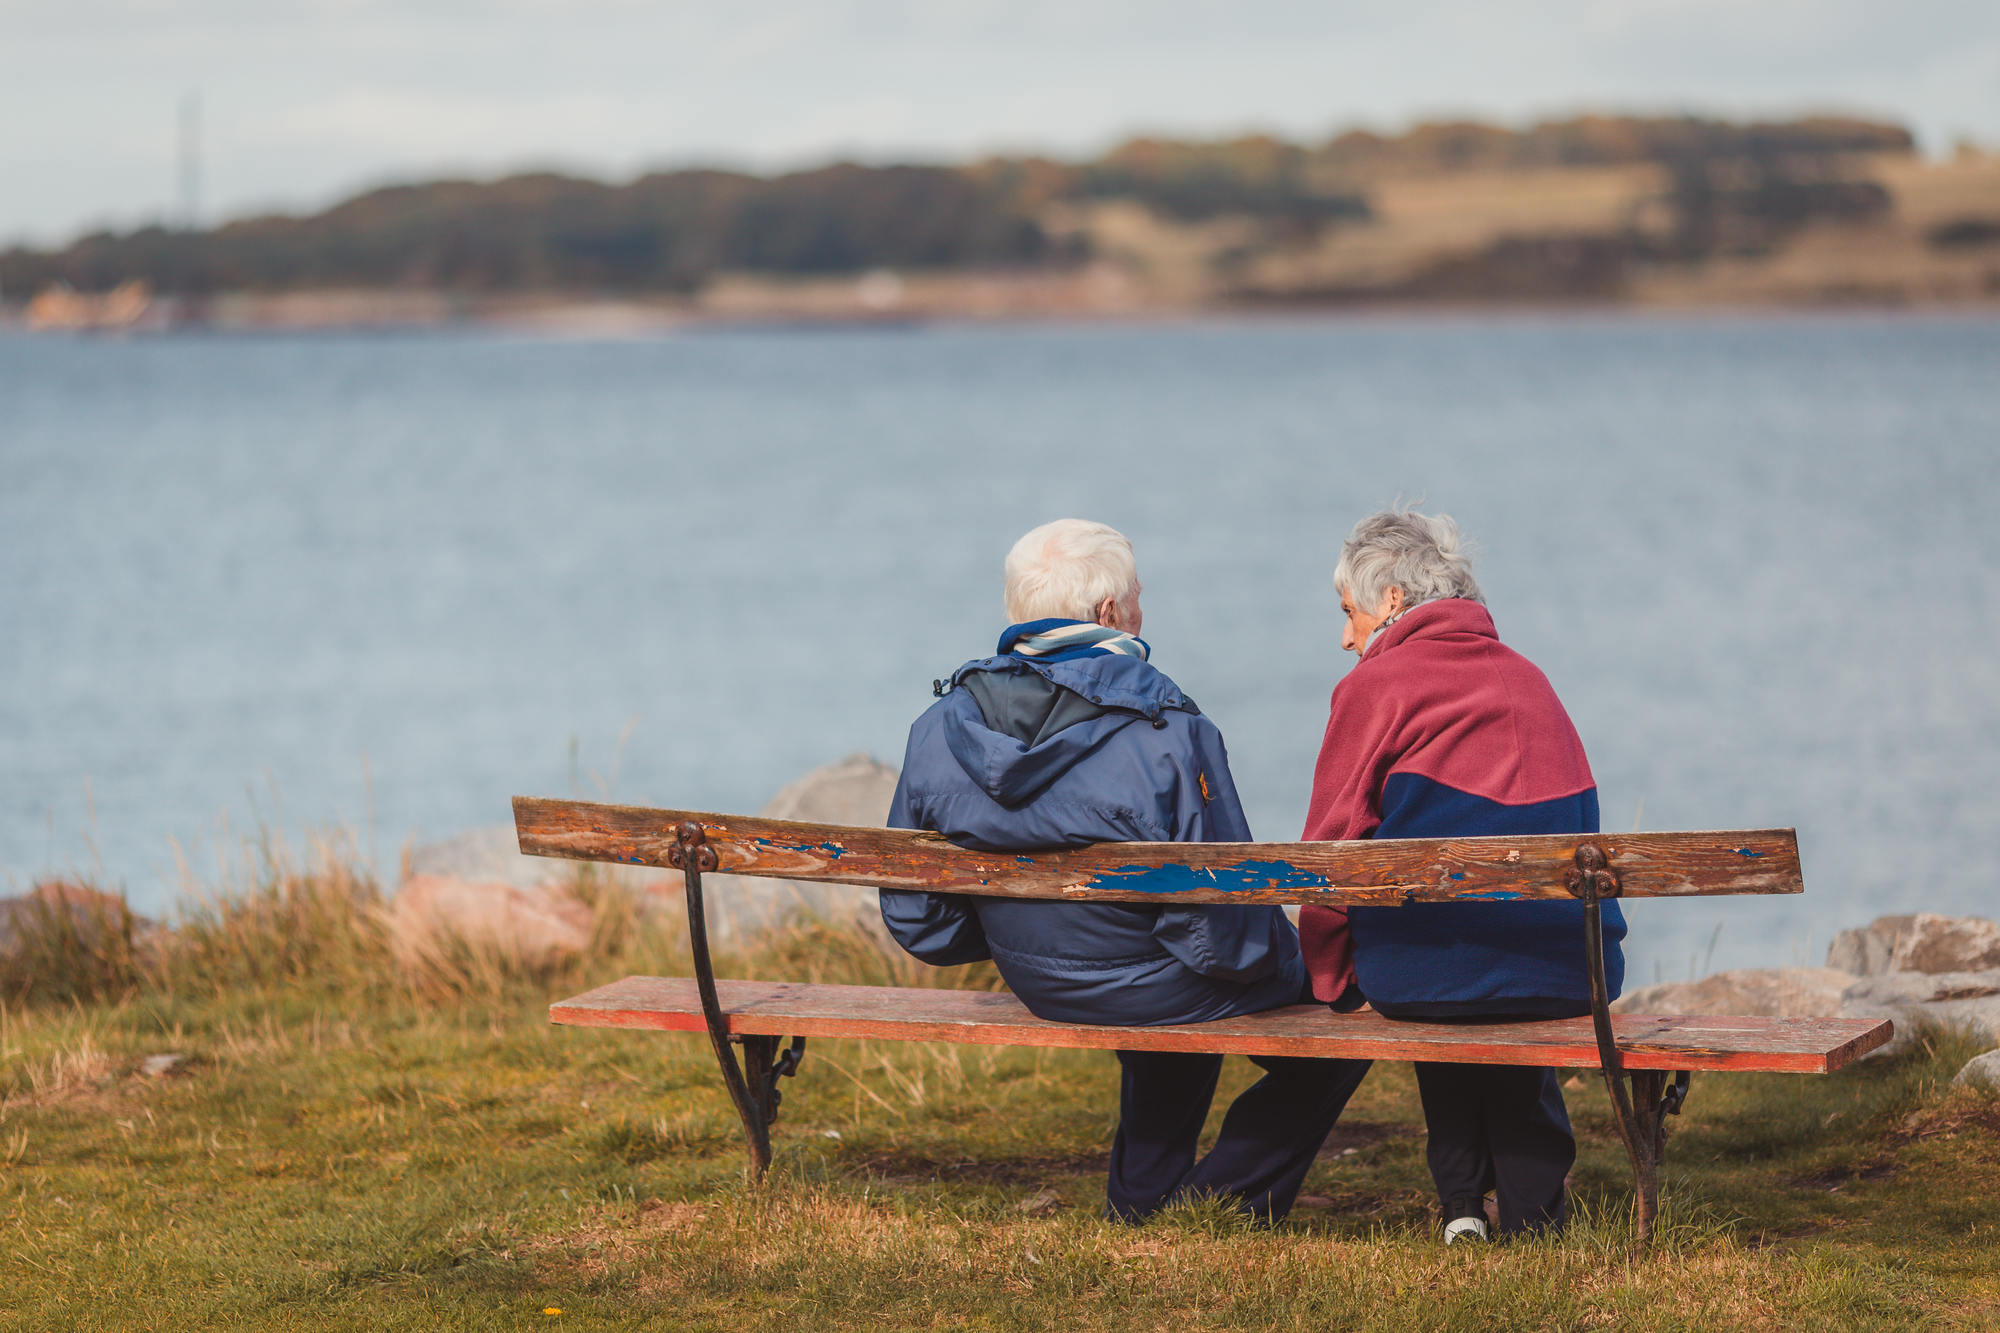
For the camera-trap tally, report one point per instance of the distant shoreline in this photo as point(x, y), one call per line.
point(595, 318)
point(1591, 213)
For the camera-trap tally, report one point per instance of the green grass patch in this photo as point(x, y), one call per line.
point(372, 1142)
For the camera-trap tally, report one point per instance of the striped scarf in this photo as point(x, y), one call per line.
point(1056, 639)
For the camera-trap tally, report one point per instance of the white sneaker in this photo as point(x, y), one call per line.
point(1465, 1228)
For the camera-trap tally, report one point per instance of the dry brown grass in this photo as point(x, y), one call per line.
point(1422, 220)
point(315, 924)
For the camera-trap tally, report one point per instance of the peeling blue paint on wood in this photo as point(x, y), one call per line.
point(834, 851)
point(1241, 877)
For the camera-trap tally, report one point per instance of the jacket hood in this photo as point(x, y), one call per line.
point(1104, 693)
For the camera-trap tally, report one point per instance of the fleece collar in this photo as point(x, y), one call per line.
point(1432, 620)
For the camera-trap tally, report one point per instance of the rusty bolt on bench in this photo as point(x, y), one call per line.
point(1592, 876)
point(687, 835)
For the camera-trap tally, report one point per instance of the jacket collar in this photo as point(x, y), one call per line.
point(1432, 620)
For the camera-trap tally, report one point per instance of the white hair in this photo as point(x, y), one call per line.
point(1066, 569)
point(1399, 548)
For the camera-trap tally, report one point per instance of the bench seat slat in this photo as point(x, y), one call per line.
point(1649, 1041)
point(1382, 871)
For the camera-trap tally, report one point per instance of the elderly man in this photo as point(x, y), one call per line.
point(1442, 731)
point(1069, 735)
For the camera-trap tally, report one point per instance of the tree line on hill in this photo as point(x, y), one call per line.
point(1734, 187)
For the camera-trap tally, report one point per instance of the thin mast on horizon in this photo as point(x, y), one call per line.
point(190, 162)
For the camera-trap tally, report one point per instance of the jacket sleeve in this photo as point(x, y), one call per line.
point(1239, 944)
point(1354, 758)
point(939, 928)
point(1355, 755)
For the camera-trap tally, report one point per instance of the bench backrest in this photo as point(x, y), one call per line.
point(1382, 871)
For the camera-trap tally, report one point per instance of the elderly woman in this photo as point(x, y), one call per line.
point(1443, 731)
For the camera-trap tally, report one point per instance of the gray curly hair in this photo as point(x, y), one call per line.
point(1422, 554)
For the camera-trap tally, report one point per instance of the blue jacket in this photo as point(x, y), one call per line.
point(1022, 754)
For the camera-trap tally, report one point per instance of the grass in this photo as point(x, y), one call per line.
point(358, 1137)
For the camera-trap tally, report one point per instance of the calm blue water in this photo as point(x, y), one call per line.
point(387, 582)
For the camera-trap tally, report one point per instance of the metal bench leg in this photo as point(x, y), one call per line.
point(756, 1097)
point(1642, 1112)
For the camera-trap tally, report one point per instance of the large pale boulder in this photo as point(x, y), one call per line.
point(1775, 992)
point(540, 925)
point(1913, 999)
point(486, 856)
point(1924, 942)
point(518, 902)
point(1868, 951)
point(475, 890)
point(855, 790)
point(1982, 1072)
point(1948, 944)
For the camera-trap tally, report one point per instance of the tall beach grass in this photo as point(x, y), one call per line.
point(319, 924)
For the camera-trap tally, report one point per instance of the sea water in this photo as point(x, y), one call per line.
point(382, 583)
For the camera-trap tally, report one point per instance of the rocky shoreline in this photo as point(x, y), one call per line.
point(1919, 971)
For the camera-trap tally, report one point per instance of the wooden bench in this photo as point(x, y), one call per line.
point(1655, 1054)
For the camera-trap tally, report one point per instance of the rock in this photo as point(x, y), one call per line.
point(479, 886)
point(1938, 944)
point(91, 913)
point(1039, 1204)
point(855, 790)
point(159, 1066)
point(486, 856)
point(1913, 999)
point(535, 925)
point(1867, 951)
point(1982, 1072)
point(1925, 942)
point(1774, 992)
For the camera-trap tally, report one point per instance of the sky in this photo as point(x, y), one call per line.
point(303, 102)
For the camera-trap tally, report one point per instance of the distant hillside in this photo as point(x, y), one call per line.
point(1595, 207)
point(661, 233)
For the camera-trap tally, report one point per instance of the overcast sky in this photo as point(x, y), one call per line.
point(304, 101)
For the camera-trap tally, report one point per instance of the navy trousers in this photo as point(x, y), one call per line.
point(1268, 1140)
point(1502, 1128)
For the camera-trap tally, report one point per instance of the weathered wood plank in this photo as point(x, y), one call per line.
point(1648, 1041)
point(1381, 871)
